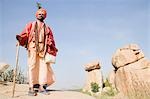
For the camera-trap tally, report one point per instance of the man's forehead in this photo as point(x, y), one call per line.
point(41, 11)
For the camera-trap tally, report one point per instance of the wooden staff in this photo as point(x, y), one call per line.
point(16, 69)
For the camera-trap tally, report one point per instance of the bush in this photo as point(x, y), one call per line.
point(94, 87)
point(9, 74)
point(110, 90)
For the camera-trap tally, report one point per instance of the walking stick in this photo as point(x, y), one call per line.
point(16, 68)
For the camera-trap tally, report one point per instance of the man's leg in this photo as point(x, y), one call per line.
point(46, 75)
point(33, 63)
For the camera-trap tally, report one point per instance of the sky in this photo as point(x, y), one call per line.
point(84, 31)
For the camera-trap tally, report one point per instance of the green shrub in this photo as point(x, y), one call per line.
point(9, 74)
point(94, 87)
point(112, 91)
point(106, 83)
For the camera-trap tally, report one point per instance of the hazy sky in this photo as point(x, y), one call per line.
point(84, 30)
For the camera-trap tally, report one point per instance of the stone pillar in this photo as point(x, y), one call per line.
point(93, 75)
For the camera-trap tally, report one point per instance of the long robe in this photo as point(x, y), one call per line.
point(39, 71)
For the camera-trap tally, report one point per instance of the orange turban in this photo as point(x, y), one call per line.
point(41, 10)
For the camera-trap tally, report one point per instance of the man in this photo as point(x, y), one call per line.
point(38, 38)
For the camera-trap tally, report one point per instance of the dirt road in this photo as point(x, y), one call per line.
point(21, 93)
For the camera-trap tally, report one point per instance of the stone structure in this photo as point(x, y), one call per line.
point(132, 77)
point(3, 67)
point(94, 75)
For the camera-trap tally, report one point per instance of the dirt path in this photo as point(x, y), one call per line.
point(21, 93)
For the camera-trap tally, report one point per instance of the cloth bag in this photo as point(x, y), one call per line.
point(50, 58)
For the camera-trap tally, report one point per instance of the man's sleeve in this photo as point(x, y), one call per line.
point(50, 37)
point(24, 35)
point(51, 43)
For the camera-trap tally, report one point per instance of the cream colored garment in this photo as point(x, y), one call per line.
point(39, 71)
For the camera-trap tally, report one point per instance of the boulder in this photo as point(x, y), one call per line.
point(111, 78)
point(92, 66)
point(132, 72)
point(127, 55)
point(3, 67)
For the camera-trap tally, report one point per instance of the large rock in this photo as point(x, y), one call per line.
point(92, 66)
point(111, 79)
point(3, 67)
point(132, 77)
point(127, 55)
point(94, 75)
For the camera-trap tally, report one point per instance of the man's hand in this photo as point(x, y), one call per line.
point(18, 37)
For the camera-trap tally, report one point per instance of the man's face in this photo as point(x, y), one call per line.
point(40, 16)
